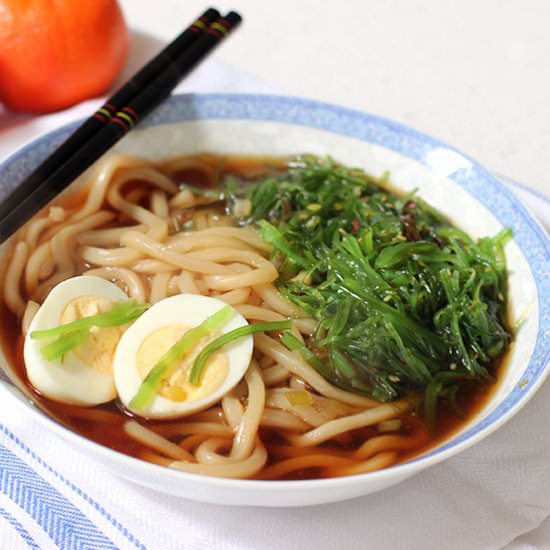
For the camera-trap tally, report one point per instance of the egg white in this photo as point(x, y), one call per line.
point(69, 380)
point(184, 309)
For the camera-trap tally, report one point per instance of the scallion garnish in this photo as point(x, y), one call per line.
point(227, 338)
point(64, 344)
point(164, 367)
point(71, 335)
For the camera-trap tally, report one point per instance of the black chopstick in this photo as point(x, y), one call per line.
point(34, 197)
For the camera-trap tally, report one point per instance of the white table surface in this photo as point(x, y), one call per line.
point(475, 74)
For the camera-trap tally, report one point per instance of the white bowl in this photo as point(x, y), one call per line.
point(472, 198)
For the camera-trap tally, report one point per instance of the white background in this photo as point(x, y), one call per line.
point(475, 74)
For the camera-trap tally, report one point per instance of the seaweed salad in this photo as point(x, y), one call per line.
point(405, 302)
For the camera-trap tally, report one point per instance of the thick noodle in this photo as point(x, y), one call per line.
point(129, 231)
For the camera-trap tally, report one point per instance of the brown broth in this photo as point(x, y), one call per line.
point(108, 430)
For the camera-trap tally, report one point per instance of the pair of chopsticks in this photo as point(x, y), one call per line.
point(139, 96)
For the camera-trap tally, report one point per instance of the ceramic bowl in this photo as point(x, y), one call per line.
point(452, 182)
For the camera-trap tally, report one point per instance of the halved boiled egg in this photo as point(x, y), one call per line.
point(83, 376)
point(155, 332)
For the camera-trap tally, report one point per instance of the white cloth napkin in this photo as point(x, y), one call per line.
point(495, 495)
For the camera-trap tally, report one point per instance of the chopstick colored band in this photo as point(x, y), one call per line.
point(200, 24)
point(105, 113)
point(101, 117)
point(218, 28)
point(127, 118)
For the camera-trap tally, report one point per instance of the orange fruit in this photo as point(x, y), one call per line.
point(55, 53)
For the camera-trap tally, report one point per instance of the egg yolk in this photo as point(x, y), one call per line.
point(98, 350)
point(178, 387)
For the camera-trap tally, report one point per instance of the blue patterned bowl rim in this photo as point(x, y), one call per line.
point(476, 180)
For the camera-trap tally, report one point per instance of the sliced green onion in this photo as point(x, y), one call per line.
point(61, 346)
point(228, 337)
point(71, 335)
point(299, 398)
point(119, 314)
point(164, 368)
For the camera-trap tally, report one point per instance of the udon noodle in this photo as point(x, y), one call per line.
point(126, 228)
